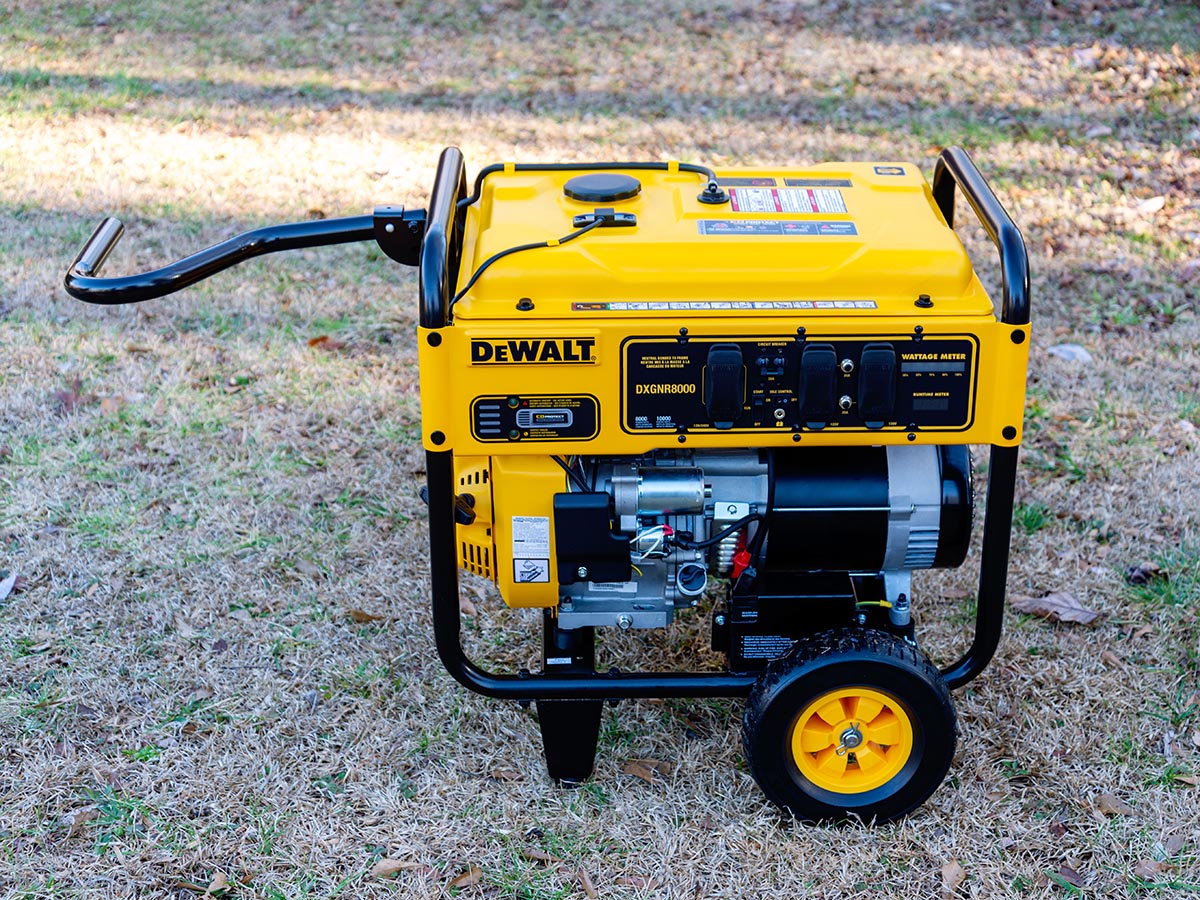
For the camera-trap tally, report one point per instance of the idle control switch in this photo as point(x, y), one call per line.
point(818, 379)
point(877, 384)
point(724, 384)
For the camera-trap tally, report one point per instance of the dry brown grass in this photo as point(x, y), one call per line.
point(182, 692)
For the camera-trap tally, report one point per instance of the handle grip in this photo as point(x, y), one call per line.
point(955, 168)
point(91, 258)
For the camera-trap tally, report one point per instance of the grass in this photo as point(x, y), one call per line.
point(180, 664)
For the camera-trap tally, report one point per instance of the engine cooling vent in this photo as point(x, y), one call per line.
point(475, 553)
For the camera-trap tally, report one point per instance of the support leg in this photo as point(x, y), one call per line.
point(570, 728)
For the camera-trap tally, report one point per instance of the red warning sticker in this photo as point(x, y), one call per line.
point(787, 200)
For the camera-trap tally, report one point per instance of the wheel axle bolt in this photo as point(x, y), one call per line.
point(581, 572)
point(624, 622)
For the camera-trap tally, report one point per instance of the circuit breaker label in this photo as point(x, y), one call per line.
point(787, 200)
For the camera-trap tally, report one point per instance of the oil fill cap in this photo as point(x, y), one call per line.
point(602, 187)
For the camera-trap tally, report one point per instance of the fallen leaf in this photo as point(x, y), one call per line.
point(1144, 573)
point(1057, 607)
point(644, 882)
point(218, 887)
point(645, 769)
point(1193, 780)
point(539, 856)
point(505, 775)
point(70, 397)
point(1113, 806)
point(1151, 205)
point(473, 875)
point(1069, 875)
point(7, 585)
point(1110, 659)
point(386, 868)
point(1142, 631)
point(1174, 843)
point(184, 885)
point(220, 645)
point(325, 342)
point(957, 594)
point(110, 405)
point(952, 876)
point(585, 882)
point(1150, 869)
point(77, 818)
point(1058, 829)
point(304, 567)
point(1196, 738)
point(362, 617)
point(465, 606)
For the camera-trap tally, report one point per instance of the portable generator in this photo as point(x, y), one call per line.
point(652, 389)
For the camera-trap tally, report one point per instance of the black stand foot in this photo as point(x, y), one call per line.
point(570, 728)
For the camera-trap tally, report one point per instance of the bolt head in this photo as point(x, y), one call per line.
point(581, 572)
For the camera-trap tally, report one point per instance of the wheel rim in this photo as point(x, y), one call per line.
point(852, 740)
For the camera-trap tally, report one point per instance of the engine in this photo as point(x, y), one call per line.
point(786, 535)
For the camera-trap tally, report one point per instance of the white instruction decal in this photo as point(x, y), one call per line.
point(787, 200)
point(616, 587)
point(531, 536)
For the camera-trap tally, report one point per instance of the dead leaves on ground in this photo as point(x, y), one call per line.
point(387, 868)
point(362, 617)
point(652, 771)
point(1057, 607)
point(473, 875)
point(953, 875)
point(1110, 805)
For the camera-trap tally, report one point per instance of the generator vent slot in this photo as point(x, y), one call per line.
point(476, 558)
point(922, 548)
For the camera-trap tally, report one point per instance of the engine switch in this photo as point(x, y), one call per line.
point(724, 384)
point(818, 374)
point(877, 384)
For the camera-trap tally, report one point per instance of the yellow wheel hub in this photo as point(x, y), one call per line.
point(852, 740)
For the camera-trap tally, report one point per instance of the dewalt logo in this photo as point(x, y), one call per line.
point(514, 351)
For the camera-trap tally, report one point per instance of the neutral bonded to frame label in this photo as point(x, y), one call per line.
point(787, 200)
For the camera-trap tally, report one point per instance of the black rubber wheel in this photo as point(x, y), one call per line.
point(852, 724)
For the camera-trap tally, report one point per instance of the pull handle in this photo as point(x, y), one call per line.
point(954, 167)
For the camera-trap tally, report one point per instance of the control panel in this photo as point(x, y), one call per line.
point(898, 382)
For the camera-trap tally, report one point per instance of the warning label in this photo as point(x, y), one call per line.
point(531, 549)
point(776, 228)
point(531, 571)
point(787, 200)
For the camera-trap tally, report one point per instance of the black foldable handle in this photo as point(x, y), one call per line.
point(83, 282)
point(441, 249)
point(954, 168)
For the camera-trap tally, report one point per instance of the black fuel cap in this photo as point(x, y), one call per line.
point(602, 187)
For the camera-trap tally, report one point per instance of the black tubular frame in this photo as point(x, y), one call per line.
point(82, 280)
point(440, 258)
